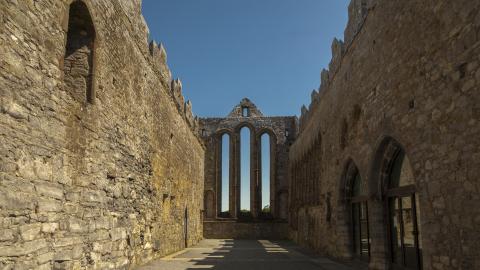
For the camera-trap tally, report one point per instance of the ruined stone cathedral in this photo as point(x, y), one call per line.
point(104, 166)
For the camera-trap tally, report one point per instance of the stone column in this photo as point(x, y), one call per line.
point(218, 175)
point(273, 176)
point(234, 198)
point(255, 175)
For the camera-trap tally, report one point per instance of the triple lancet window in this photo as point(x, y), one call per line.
point(245, 172)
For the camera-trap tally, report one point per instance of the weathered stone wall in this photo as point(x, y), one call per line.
point(97, 182)
point(230, 229)
point(409, 72)
point(282, 132)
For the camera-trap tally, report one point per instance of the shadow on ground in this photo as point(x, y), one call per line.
point(244, 255)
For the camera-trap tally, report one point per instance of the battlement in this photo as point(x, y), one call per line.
point(159, 60)
point(357, 13)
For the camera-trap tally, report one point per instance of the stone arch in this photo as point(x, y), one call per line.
point(349, 170)
point(343, 208)
point(398, 192)
point(238, 168)
point(79, 59)
point(387, 151)
point(349, 200)
point(245, 124)
point(273, 185)
point(219, 172)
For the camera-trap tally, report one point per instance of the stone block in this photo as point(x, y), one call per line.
point(13, 109)
point(16, 201)
point(27, 248)
point(49, 205)
point(30, 231)
point(118, 234)
point(94, 196)
point(104, 247)
point(51, 190)
point(72, 254)
point(103, 223)
point(45, 258)
point(99, 235)
point(68, 241)
point(7, 235)
point(77, 225)
point(49, 227)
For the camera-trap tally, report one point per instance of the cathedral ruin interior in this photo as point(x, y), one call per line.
point(104, 166)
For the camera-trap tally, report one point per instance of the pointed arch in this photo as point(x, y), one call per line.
point(355, 208)
point(224, 142)
point(395, 208)
point(246, 136)
point(267, 186)
point(79, 58)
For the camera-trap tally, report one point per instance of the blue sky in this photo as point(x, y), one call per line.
point(271, 51)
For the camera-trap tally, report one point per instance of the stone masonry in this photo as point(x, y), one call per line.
point(100, 165)
point(407, 77)
point(104, 166)
point(281, 131)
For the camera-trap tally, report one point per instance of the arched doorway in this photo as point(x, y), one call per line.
point(403, 219)
point(357, 201)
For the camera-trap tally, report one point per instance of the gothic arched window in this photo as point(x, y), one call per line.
point(359, 217)
point(403, 215)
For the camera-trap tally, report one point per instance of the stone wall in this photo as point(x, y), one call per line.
point(98, 169)
point(408, 75)
point(230, 229)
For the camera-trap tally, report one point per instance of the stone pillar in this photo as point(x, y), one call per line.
point(234, 198)
point(255, 175)
point(273, 176)
point(218, 175)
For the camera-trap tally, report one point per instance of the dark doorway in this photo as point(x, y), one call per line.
point(185, 227)
point(403, 216)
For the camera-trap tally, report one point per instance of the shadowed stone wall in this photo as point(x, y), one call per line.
point(231, 229)
point(100, 165)
point(406, 79)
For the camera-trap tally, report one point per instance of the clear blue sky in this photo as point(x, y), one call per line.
point(271, 51)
